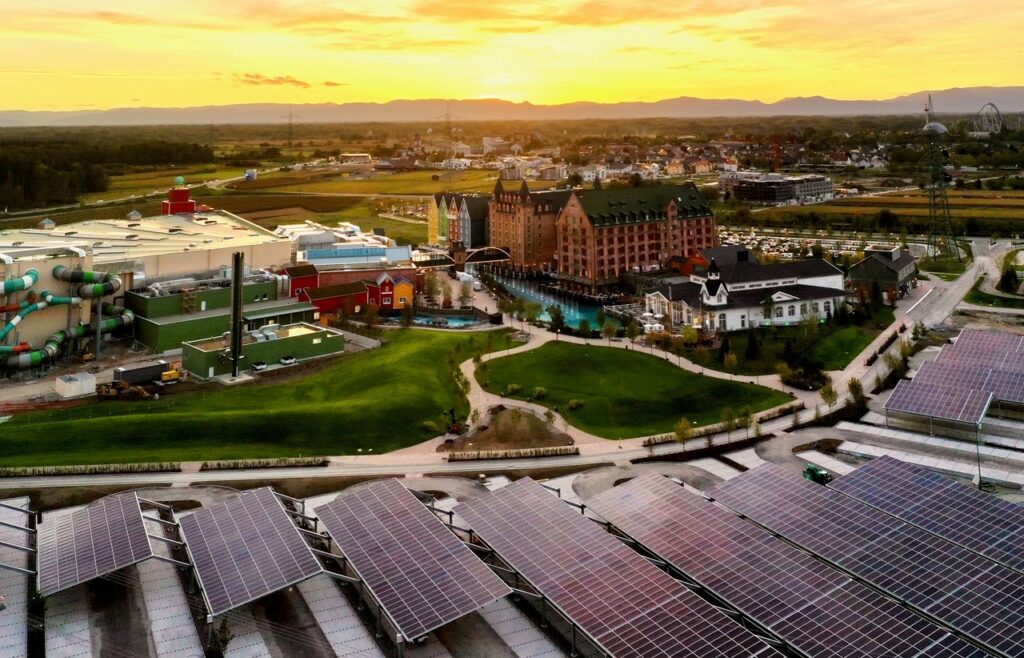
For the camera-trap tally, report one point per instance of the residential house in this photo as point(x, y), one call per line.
point(301, 277)
point(472, 220)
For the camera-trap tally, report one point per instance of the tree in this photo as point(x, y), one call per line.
point(431, 286)
point(222, 638)
point(474, 417)
point(876, 294)
point(856, 390)
point(608, 330)
point(531, 311)
point(407, 315)
point(549, 417)
point(371, 315)
point(730, 362)
point(574, 180)
point(683, 430)
point(753, 351)
point(636, 180)
point(828, 395)
point(446, 301)
point(557, 318)
point(632, 330)
point(583, 328)
point(465, 293)
point(744, 420)
point(600, 317)
point(724, 349)
point(728, 420)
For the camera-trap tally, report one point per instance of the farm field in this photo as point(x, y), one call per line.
point(142, 183)
point(412, 183)
point(361, 211)
point(646, 396)
point(377, 400)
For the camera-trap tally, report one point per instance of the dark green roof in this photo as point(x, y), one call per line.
point(647, 203)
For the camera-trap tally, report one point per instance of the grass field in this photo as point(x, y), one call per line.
point(834, 347)
point(950, 266)
point(413, 182)
point(645, 395)
point(981, 298)
point(376, 399)
point(146, 182)
point(361, 211)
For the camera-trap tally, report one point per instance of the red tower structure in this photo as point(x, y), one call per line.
point(178, 200)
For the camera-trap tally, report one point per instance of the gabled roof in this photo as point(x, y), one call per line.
point(728, 254)
point(476, 207)
point(742, 272)
point(295, 271)
point(624, 205)
point(340, 290)
point(896, 265)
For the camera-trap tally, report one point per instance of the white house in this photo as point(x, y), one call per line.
point(744, 293)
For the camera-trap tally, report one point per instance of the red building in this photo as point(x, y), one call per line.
point(301, 277)
point(177, 201)
point(524, 222)
point(346, 298)
point(602, 234)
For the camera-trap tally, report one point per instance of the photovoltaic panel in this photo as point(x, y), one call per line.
point(627, 605)
point(969, 593)
point(246, 548)
point(420, 572)
point(102, 537)
point(815, 608)
point(943, 402)
point(1004, 385)
point(955, 511)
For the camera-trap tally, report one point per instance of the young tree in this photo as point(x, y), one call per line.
point(474, 417)
point(407, 315)
point(431, 286)
point(465, 293)
point(446, 300)
point(730, 363)
point(600, 317)
point(583, 328)
point(724, 349)
point(856, 390)
point(557, 318)
point(728, 420)
point(549, 418)
point(371, 316)
point(532, 311)
point(828, 394)
point(632, 330)
point(753, 351)
point(683, 430)
point(608, 330)
point(744, 420)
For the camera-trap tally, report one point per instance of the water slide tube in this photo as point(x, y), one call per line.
point(21, 283)
point(94, 284)
point(118, 317)
point(24, 308)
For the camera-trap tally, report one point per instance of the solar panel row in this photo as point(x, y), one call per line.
point(967, 592)
point(944, 402)
point(986, 524)
point(1003, 384)
point(628, 606)
point(421, 573)
point(246, 548)
point(100, 538)
point(815, 608)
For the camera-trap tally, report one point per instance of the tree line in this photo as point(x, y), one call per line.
point(52, 171)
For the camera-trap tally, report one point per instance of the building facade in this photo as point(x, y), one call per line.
point(523, 222)
point(894, 270)
point(603, 234)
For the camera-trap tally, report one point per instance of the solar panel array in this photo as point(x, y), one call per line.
point(937, 401)
point(420, 572)
point(620, 600)
point(979, 367)
point(969, 593)
point(817, 609)
point(986, 524)
point(246, 548)
point(102, 537)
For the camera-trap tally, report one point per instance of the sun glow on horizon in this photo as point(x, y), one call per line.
point(69, 56)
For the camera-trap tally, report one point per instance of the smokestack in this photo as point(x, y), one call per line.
point(237, 260)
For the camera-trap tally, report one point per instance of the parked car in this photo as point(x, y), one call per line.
point(258, 366)
point(288, 360)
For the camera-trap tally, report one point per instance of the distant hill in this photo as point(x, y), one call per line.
point(968, 100)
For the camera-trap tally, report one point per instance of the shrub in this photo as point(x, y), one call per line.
point(539, 392)
point(575, 404)
point(512, 389)
point(430, 426)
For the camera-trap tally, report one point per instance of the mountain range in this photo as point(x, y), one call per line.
point(962, 100)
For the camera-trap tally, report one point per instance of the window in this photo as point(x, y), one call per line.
point(803, 309)
point(743, 322)
point(721, 297)
point(386, 301)
point(401, 300)
point(721, 321)
point(778, 311)
point(792, 310)
point(828, 306)
point(317, 341)
point(814, 307)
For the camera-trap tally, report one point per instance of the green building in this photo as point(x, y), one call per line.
point(165, 320)
point(208, 357)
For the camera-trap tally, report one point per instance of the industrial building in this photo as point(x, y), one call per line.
point(892, 269)
point(207, 358)
point(774, 188)
point(172, 312)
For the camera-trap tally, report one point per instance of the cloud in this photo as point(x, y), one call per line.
point(259, 80)
point(332, 83)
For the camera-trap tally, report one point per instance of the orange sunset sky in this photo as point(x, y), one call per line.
point(112, 53)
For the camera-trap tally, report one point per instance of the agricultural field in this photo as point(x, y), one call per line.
point(142, 183)
point(376, 400)
point(361, 211)
point(646, 396)
point(412, 183)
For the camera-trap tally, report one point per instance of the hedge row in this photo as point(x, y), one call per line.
point(514, 453)
point(93, 469)
point(281, 462)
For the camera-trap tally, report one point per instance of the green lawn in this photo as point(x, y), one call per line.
point(141, 183)
point(834, 347)
point(375, 399)
point(981, 298)
point(625, 393)
point(944, 265)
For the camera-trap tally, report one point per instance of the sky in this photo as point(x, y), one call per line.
point(75, 55)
